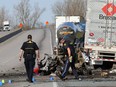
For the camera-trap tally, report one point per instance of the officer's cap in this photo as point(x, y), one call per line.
point(29, 36)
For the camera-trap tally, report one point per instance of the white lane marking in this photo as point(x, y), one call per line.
point(55, 84)
point(51, 41)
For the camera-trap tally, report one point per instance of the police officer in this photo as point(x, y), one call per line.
point(30, 52)
point(70, 62)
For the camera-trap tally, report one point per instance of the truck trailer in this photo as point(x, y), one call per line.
point(100, 33)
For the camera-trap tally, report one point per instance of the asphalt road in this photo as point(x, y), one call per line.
point(3, 33)
point(9, 52)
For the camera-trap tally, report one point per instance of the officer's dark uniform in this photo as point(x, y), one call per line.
point(68, 63)
point(29, 57)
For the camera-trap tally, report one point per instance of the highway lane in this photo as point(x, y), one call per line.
point(44, 81)
point(9, 58)
point(9, 52)
point(3, 33)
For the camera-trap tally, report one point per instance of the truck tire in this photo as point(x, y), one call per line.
point(107, 65)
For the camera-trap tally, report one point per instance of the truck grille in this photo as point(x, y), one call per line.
point(106, 55)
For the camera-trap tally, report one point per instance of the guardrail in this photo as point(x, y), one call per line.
point(6, 37)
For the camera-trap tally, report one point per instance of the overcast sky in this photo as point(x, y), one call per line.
point(47, 15)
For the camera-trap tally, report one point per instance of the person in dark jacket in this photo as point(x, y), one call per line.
point(69, 51)
point(30, 52)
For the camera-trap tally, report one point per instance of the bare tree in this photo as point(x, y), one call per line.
point(23, 12)
point(26, 14)
point(3, 15)
point(70, 8)
point(57, 8)
point(35, 15)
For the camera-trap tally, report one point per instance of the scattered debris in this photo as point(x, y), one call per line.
point(112, 71)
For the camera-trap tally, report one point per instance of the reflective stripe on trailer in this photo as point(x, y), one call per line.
point(99, 59)
point(97, 45)
point(93, 45)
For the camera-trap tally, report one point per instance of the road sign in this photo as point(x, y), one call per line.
point(47, 23)
point(20, 25)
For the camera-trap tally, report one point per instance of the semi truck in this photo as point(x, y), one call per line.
point(100, 33)
point(6, 26)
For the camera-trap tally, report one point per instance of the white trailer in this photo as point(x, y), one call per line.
point(100, 34)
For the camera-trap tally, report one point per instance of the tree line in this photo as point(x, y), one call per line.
point(29, 16)
point(70, 8)
point(23, 13)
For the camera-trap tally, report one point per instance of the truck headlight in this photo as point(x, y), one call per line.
point(92, 54)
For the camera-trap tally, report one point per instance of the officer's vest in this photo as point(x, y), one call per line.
point(29, 49)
